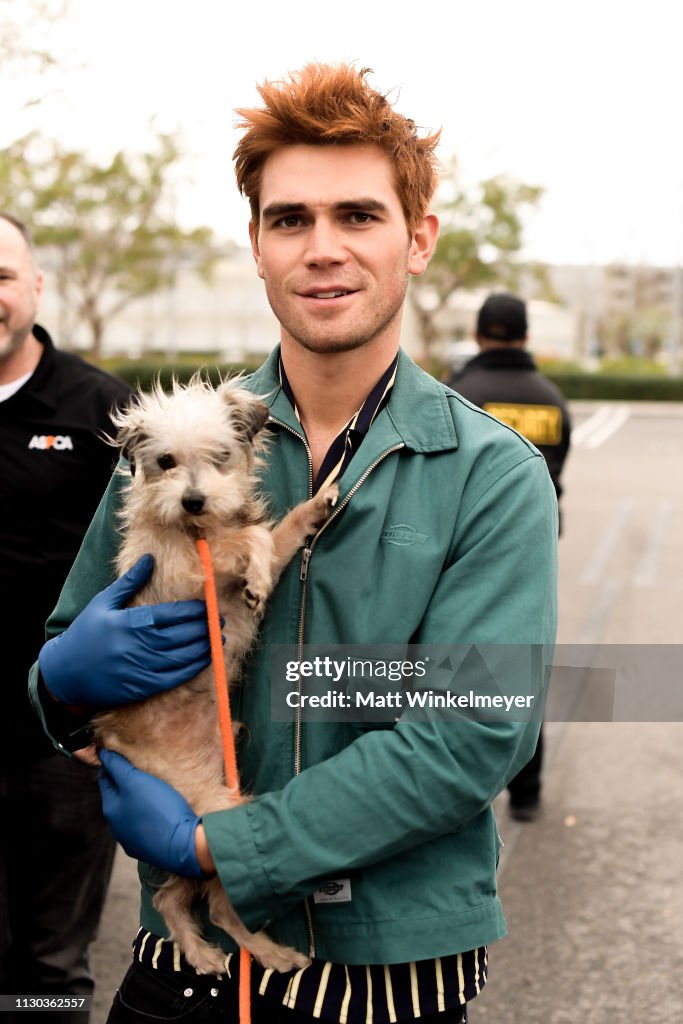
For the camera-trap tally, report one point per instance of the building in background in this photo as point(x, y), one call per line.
point(621, 309)
point(615, 310)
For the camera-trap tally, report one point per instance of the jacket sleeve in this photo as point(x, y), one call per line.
point(393, 789)
point(91, 572)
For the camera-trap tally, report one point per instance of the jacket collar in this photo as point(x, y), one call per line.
point(40, 390)
point(417, 415)
point(519, 358)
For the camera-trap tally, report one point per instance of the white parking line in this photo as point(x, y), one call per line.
point(588, 426)
point(599, 427)
point(646, 571)
point(605, 547)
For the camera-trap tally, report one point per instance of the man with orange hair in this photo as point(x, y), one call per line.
point(372, 847)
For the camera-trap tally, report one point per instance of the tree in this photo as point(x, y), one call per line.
point(641, 332)
point(479, 242)
point(25, 52)
point(111, 227)
point(637, 320)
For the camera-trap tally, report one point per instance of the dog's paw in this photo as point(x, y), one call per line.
point(252, 598)
point(320, 506)
point(206, 959)
point(329, 496)
point(277, 958)
point(213, 965)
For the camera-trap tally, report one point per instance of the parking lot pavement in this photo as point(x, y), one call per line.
point(111, 952)
point(591, 890)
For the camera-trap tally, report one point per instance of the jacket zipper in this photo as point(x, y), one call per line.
point(297, 719)
point(303, 576)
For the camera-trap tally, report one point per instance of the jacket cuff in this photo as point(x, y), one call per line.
point(240, 867)
point(68, 730)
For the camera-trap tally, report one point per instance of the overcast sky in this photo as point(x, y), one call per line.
point(583, 98)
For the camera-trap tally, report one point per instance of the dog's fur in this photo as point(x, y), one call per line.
point(193, 455)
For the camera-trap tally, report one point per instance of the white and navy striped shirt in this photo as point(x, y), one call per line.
point(341, 993)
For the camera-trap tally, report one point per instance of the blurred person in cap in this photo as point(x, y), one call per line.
point(56, 849)
point(504, 380)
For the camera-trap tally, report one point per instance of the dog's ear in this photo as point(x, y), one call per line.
point(131, 433)
point(129, 447)
point(130, 441)
point(248, 413)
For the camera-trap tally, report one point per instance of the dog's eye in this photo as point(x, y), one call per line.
point(220, 457)
point(166, 462)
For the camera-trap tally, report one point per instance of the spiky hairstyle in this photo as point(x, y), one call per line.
point(326, 105)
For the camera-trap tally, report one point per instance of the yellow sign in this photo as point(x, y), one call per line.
point(540, 424)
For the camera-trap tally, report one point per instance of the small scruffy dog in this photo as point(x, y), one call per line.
point(193, 456)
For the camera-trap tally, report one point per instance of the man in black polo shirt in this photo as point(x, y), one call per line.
point(56, 850)
point(504, 380)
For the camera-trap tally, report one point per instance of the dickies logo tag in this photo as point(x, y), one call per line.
point(336, 890)
point(403, 535)
point(44, 442)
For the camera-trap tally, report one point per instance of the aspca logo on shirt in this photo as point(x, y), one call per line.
point(60, 442)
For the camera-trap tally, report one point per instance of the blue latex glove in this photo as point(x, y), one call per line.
point(112, 655)
point(149, 818)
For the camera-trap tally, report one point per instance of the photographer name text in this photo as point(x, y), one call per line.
point(400, 700)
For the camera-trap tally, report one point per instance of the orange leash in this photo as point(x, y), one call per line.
point(227, 737)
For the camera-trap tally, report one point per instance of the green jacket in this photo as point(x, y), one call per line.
point(445, 533)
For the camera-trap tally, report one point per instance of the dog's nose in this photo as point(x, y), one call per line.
point(193, 502)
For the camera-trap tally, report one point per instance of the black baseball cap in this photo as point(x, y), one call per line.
point(502, 318)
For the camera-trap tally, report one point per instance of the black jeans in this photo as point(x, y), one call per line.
point(147, 995)
point(56, 855)
point(525, 788)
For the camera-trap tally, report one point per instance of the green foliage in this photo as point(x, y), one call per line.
point(644, 330)
point(631, 366)
point(479, 242)
point(572, 382)
point(111, 226)
point(619, 387)
point(19, 54)
point(142, 374)
point(549, 365)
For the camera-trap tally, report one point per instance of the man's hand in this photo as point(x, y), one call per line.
point(112, 655)
point(150, 819)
